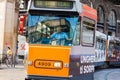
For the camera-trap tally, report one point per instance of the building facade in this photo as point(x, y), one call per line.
point(9, 10)
point(22, 29)
point(108, 12)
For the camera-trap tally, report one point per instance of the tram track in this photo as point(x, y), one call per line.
point(112, 75)
point(107, 74)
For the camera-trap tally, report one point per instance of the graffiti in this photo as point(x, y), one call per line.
point(22, 46)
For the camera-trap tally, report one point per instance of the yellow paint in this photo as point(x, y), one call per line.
point(44, 57)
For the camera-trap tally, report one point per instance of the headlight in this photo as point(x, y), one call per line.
point(58, 65)
point(30, 63)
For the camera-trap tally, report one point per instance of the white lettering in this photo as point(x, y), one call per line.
point(87, 59)
point(81, 69)
point(86, 69)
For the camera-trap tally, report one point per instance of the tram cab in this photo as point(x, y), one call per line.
point(64, 59)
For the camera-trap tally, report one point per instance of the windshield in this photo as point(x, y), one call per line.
point(51, 29)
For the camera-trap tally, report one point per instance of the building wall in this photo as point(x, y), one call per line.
point(107, 7)
point(2, 24)
point(9, 25)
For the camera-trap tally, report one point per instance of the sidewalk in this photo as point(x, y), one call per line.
point(16, 66)
point(17, 73)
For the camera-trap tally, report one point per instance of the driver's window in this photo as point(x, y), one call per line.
point(88, 31)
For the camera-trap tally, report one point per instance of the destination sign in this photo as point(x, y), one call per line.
point(53, 4)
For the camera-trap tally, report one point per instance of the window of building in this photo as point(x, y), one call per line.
point(112, 20)
point(100, 13)
point(23, 4)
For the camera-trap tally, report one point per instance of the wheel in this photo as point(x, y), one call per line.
point(7, 62)
point(27, 79)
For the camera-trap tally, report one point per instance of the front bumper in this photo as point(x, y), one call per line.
point(32, 77)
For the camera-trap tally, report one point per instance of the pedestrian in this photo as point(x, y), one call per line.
point(59, 37)
point(10, 56)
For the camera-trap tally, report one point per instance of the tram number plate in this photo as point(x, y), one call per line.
point(48, 64)
point(45, 64)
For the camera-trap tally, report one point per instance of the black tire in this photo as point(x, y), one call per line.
point(7, 63)
point(28, 79)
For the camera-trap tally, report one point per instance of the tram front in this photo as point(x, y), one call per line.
point(54, 28)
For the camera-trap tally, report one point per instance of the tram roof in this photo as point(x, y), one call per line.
point(112, 38)
point(101, 35)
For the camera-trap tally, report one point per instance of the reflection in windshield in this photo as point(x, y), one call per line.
point(53, 30)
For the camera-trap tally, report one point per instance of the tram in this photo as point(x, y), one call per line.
point(71, 54)
point(100, 49)
point(107, 50)
point(113, 51)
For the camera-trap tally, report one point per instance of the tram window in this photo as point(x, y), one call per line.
point(104, 45)
point(88, 32)
point(111, 48)
point(118, 46)
point(97, 43)
point(76, 39)
point(46, 31)
point(101, 45)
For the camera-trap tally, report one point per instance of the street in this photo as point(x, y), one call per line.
point(17, 73)
point(107, 74)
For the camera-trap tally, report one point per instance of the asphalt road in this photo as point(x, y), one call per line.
point(107, 74)
point(19, 73)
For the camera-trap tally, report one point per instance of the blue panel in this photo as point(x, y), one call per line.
point(99, 64)
point(82, 66)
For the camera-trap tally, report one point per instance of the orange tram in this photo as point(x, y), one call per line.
point(68, 57)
